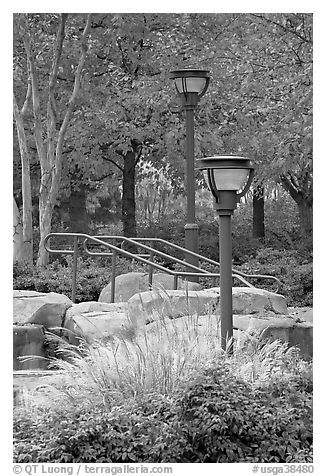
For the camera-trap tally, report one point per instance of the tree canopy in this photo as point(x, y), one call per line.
point(93, 98)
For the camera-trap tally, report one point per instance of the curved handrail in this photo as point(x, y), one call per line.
point(210, 261)
point(160, 253)
point(199, 272)
point(114, 250)
point(235, 272)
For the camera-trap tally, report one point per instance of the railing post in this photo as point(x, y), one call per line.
point(74, 270)
point(175, 282)
point(114, 259)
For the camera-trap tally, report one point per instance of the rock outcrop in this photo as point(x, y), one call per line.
point(277, 327)
point(156, 311)
point(151, 305)
point(96, 320)
point(28, 304)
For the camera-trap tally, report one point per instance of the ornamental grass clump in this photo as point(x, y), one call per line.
point(157, 359)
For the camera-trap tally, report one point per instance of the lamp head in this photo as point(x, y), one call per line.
point(191, 84)
point(227, 175)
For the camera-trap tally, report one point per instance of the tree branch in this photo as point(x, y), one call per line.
point(284, 28)
point(112, 162)
point(58, 153)
point(36, 100)
point(51, 107)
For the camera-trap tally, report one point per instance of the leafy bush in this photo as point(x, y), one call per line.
point(235, 422)
point(221, 413)
point(91, 433)
point(218, 419)
point(92, 277)
point(294, 270)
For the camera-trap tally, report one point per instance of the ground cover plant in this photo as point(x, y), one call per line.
point(129, 399)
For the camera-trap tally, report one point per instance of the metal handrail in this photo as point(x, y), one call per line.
point(116, 250)
point(235, 272)
point(210, 261)
point(159, 253)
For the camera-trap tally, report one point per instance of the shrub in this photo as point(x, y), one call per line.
point(219, 419)
point(92, 277)
point(89, 433)
point(232, 421)
point(294, 270)
point(220, 413)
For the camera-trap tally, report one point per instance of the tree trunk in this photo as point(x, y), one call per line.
point(45, 212)
point(78, 221)
point(128, 195)
point(306, 216)
point(51, 155)
point(18, 242)
point(27, 219)
point(258, 217)
point(303, 197)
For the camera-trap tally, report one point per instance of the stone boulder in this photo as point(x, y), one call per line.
point(51, 316)
point(253, 300)
point(204, 331)
point(302, 314)
point(129, 284)
point(29, 340)
point(47, 309)
point(285, 328)
point(250, 300)
point(152, 305)
point(96, 321)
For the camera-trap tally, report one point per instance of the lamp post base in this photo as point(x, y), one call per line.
point(191, 244)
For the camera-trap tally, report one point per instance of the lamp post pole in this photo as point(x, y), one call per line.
point(191, 85)
point(191, 228)
point(229, 179)
point(225, 237)
point(225, 206)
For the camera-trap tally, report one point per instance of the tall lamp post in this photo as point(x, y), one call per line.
point(191, 85)
point(229, 178)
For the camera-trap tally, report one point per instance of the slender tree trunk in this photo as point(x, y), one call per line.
point(51, 160)
point(258, 216)
point(128, 195)
point(27, 218)
point(45, 228)
point(18, 241)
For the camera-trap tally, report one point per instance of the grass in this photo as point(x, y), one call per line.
point(155, 360)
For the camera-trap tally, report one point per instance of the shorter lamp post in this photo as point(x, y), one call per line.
point(229, 178)
point(191, 85)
